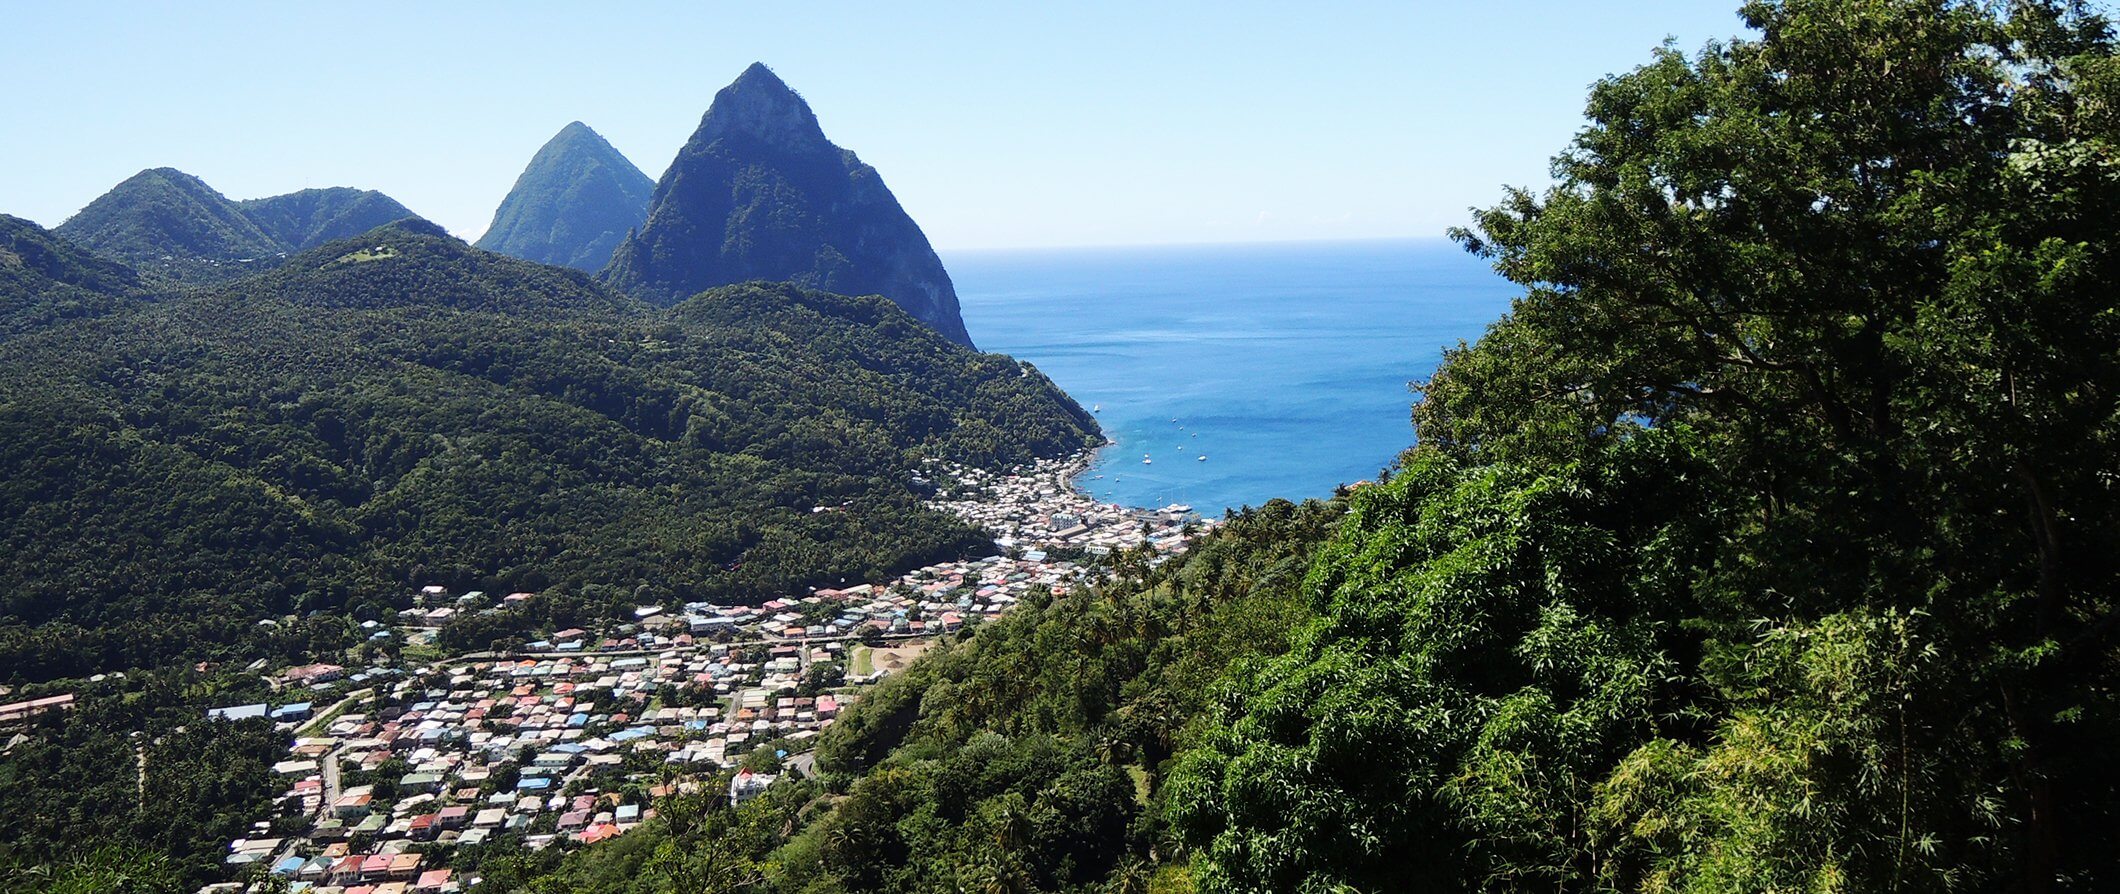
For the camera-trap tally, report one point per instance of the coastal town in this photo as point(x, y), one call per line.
point(401, 779)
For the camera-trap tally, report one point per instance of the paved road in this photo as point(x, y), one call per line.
point(331, 778)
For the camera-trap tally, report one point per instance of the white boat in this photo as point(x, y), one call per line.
point(1146, 461)
point(1203, 457)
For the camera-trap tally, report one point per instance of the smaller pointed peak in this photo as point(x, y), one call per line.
point(576, 127)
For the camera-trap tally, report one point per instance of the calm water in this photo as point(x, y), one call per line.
point(1287, 366)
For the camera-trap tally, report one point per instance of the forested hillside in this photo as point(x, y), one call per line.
point(45, 279)
point(401, 409)
point(176, 231)
point(1768, 544)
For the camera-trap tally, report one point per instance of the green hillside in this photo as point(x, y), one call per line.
point(173, 228)
point(45, 279)
point(400, 408)
point(311, 217)
point(177, 232)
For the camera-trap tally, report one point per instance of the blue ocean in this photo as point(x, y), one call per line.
point(1286, 366)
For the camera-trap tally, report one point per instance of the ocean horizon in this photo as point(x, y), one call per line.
point(1286, 365)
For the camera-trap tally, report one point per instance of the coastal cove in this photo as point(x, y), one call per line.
point(1286, 365)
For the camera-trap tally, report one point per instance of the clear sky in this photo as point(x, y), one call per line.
point(997, 124)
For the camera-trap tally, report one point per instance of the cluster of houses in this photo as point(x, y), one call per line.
point(1038, 508)
point(539, 748)
point(337, 869)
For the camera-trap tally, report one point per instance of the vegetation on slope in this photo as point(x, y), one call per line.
point(1768, 544)
point(305, 219)
point(177, 231)
point(173, 228)
point(45, 279)
point(400, 409)
point(572, 205)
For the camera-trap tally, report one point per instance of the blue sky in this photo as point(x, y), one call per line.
point(997, 124)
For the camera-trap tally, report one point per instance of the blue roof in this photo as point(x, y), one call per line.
point(532, 783)
point(290, 866)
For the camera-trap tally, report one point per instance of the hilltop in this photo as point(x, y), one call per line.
point(177, 231)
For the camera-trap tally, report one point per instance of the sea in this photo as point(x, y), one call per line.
point(1229, 375)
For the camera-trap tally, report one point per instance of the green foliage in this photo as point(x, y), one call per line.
point(1767, 544)
point(303, 220)
point(45, 279)
point(173, 228)
point(328, 435)
point(572, 205)
point(177, 231)
point(131, 786)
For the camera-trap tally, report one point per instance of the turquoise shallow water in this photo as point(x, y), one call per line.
point(1286, 365)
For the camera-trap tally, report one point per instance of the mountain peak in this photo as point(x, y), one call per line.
point(759, 193)
point(572, 205)
point(759, 105)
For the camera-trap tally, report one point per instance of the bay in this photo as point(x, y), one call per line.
point(1286, 365)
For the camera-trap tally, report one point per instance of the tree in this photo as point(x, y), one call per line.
point(1768, 542)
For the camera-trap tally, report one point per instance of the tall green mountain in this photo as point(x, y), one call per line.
point(758, 193)
point(312, 217)
point(177, 231)
point(402, 408)
point(45, 279)
point(573, 205)
point(172, 227)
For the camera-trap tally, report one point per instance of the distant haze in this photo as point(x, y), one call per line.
point(996, 126)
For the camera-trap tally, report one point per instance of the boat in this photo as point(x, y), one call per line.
point(1145, 460)
point(1203, 457)
point(1095, 409)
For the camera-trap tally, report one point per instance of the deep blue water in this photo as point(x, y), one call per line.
point(1286, 365)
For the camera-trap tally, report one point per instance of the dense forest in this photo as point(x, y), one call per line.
point(45, 279)
point(1766, 545)
point(401, 409)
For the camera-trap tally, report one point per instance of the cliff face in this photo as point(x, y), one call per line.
point(759, 193)
point(573, 205)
